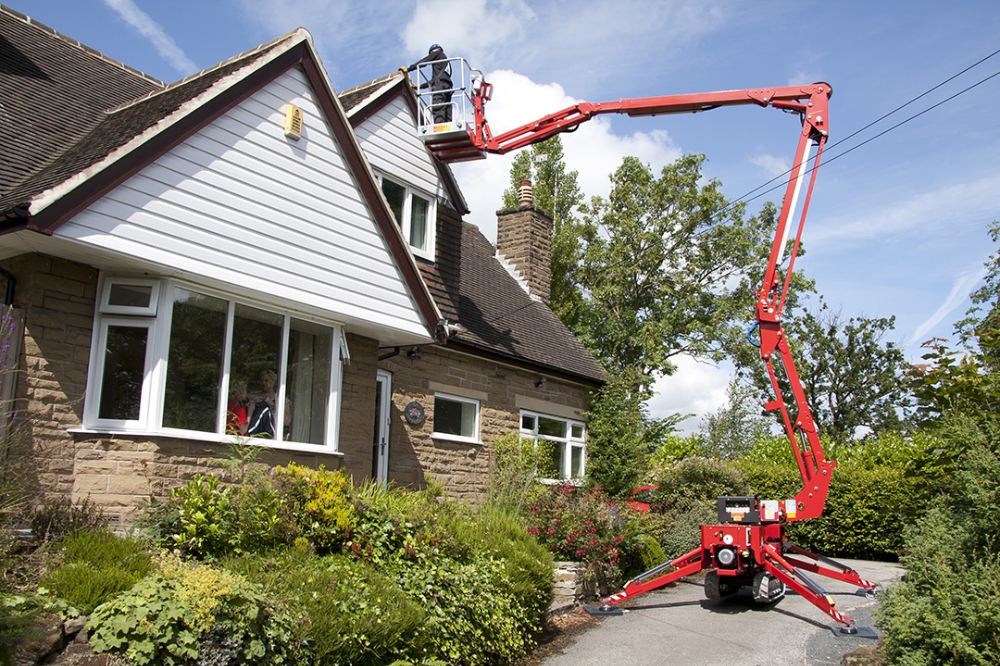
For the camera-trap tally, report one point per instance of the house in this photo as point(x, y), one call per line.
point(165, 245)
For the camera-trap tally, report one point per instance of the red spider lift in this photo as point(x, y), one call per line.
point(748, 547)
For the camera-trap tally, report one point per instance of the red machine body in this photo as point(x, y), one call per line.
point(748, 548)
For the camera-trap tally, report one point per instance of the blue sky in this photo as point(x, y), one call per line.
point(897, 226)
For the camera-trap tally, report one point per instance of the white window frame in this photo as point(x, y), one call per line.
point(406, 223)
point(570, 442)
point(474, 439)
point(158, 322)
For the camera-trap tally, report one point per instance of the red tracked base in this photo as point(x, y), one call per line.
point(739, 555)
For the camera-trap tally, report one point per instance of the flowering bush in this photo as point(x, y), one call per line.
point(582, 526)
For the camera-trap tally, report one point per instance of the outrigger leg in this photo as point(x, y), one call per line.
point(655, 578)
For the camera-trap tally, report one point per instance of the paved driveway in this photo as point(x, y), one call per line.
point(679, 626)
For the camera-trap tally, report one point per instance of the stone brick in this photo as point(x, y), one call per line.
point(90, 484)
point(127, 485)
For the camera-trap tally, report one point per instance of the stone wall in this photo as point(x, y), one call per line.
point(502, 391)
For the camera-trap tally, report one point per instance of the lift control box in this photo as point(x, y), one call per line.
point(743, 510)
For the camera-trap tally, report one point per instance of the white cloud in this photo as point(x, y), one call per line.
point(594, 150)
point(935, 210)
point(695, 388)
point(959, 291)
point(772, 166)
point(151, 30)
point(471, 28)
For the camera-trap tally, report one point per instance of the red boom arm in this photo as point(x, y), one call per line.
point(811, 102)
point(745, 550)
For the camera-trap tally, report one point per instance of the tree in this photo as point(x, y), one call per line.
point(665, 269)
point(851, 375)
point(732, 431)
point(622, 435)
point(557, 192)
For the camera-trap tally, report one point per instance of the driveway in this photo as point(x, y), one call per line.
point(677, 625)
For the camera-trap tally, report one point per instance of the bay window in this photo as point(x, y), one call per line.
point(567, 439)
point(169, 358)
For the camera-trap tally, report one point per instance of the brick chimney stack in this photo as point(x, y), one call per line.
point(524, 239)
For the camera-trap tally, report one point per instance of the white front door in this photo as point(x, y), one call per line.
point(380, 445)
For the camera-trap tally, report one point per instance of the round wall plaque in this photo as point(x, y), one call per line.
point(414, 413)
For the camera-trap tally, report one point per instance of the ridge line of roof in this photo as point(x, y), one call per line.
point(10, 11)
point(208, 70)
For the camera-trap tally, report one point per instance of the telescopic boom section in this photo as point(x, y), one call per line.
point(811, 103)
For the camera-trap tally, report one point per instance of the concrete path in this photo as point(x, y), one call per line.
point(678, 625)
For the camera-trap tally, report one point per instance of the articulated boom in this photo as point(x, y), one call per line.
point(748, 548)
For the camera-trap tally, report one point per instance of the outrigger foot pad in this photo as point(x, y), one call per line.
point(865, 592)
point(854, 632)
point(603, 610)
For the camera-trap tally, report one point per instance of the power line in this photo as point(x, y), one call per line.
point(746, 198)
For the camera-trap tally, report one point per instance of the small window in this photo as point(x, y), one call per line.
point(566, 439)
point(130, 297)
point(414, 214)
point(456, 417)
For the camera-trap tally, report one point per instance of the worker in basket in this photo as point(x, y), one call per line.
point(439, 82)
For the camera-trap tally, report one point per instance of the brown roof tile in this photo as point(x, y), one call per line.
point(54, 91)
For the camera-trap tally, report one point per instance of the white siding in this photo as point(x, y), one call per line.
point(390, 141)
point(238, 203)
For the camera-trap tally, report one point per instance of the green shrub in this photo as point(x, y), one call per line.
point(189, 613)
point(350, 613)
point(472, 616)
point(203, 522)
point(699, 479)
point(96, 565)
point(517, 464)
point(501, 536)
point(947, 609)
point(318, 502)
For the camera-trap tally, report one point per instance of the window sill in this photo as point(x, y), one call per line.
point(455, 439)
point(209, 438)
point(561, 482)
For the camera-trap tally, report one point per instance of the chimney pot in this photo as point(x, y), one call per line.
point(525, 196)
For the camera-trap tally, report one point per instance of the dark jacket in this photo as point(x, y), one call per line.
point(440, 78)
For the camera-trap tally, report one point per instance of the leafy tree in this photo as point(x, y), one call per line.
point(622, 435)
point(952, 381)
point(557, 192)
point(851, 375)
point(732, 431)
point(666, 268)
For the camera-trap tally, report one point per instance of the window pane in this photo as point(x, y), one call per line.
point(576, 431)
point(418, 222)
point(527, 422)
point(310, 349)
point(124, 368)
point(452, 417)
point(577, 463)
point(130, 295)
point(194, 363)
point(395, 194)
point(256, 353)
point(559, 459)
point(551, 427)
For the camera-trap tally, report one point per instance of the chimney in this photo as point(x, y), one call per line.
point(524, 239)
